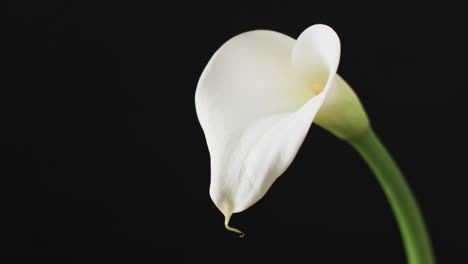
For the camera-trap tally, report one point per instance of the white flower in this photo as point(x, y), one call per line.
point(256, 100)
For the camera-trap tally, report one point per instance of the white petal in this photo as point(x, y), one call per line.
point(255, 103)
point(341, 112)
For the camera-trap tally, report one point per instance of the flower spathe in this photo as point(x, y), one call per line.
point(256, 100)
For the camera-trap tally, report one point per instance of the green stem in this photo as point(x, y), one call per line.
point(408, 216)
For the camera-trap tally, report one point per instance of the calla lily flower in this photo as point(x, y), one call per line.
point(256, 100)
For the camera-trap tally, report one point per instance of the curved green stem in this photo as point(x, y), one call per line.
point(408, 216)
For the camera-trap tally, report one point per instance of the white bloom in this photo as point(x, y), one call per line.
point(256, 100)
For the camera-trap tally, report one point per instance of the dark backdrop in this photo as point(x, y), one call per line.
point(102, 152)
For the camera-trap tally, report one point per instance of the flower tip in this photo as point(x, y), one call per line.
point(241, 234)
point(232, 229)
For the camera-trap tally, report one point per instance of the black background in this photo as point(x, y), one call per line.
point(102, 152)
